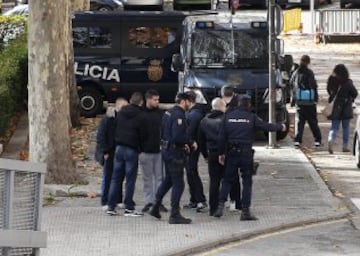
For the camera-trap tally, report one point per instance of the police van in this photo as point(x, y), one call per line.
point(117, 54)
point(227, 49)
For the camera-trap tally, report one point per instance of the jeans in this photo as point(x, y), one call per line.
point(335, 125)
point(106, 180)
point(303, 114)
point(192, 173)
point(174, 178)
point(152, 174)
point(235, 161)
point(125, 163)
point(216, 173)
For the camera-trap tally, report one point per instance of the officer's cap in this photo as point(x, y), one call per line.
point(245, 97)
point(182, 96)
point(245, 100)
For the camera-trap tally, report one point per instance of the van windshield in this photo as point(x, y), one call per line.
point(215, 48)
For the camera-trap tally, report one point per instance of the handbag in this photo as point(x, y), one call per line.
point(329, 107)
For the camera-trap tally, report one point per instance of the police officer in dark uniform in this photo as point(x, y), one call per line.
point(236, 137)
point(175, 145)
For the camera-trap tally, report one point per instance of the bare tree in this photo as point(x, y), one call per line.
point(76, 5)
point(49, 122)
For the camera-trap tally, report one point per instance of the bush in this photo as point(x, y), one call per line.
point(13, 79)
point(11, 27)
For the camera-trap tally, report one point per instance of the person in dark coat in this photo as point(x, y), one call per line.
point(236, 137)
point(150, 157)
point(129, 134)
point(305, 97)
point(232, 101)
point(105, 148)
point(193, 118)
point(175, 144)
point(341, 89)
point(208, 136)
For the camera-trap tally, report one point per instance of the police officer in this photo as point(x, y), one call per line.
point(175, 145)
point(236, 137)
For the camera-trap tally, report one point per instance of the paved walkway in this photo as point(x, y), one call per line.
point(287, 192)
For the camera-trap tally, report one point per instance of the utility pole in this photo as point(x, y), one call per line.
point(272, 66)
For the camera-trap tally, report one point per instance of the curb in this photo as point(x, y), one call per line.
point(234, 238)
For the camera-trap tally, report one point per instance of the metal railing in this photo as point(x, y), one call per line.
point(339, 22)
point(21, 185)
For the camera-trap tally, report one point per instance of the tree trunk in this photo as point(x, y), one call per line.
point(76, 5)
point(49, 135)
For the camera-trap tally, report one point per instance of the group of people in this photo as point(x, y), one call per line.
point(171, 141)
point(165, 143)
point(341, 92)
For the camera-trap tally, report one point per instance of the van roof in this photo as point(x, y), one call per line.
point(126, 14)
point(224, 17)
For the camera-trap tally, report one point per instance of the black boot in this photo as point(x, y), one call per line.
point(220, 210)
point(155, 210)
point(246, 215)
point(177, 218)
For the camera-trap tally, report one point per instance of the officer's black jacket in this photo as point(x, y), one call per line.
point(130, 130)
point(174, 127)
point(193, 118)
point(152, 124)
point(209, 132)
point(239, 128)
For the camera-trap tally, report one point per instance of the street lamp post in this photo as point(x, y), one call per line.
point(272, 66)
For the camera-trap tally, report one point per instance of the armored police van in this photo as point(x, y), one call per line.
point(117, 54)
point(227, 49)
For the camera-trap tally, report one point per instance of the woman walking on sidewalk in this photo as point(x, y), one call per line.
point(340, 89)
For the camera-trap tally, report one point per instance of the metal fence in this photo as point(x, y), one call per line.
point(339, 22)
point(21, 185)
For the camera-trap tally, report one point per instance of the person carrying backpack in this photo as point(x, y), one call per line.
point(305, 97)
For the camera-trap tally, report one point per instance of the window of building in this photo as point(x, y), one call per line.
point(92, 37)
point(151, 37)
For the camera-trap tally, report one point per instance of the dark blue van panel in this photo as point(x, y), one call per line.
point(117, 54)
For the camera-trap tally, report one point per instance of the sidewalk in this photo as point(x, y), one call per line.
point(287, 192)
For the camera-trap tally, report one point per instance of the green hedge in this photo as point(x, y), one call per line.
point(13, 79)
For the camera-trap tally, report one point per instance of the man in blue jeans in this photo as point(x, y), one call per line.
point(129, 133)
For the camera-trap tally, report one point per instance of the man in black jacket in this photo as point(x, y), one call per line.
point(150, 158)
point(105, 149)
point(305, 97)
point(129, 133)
point(208, 143)
point(193, 118)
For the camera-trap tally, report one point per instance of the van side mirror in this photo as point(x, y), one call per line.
point(176, 63)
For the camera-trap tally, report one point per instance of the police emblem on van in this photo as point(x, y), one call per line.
point(155, 71)
point(234, 79)
point(96, 71)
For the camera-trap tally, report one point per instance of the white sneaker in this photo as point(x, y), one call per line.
point(317, 144)
point(227, 204)
point(297, 144)
point(232, 207)
point(104, 208)
point(120, 206)
point(132, 213)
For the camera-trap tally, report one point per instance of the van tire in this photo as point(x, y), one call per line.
point(104, 9)
point(282, 135)
point(91, 102)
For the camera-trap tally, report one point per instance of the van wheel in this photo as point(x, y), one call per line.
point(104, 8)
point(282, 135)
point(91, 102)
